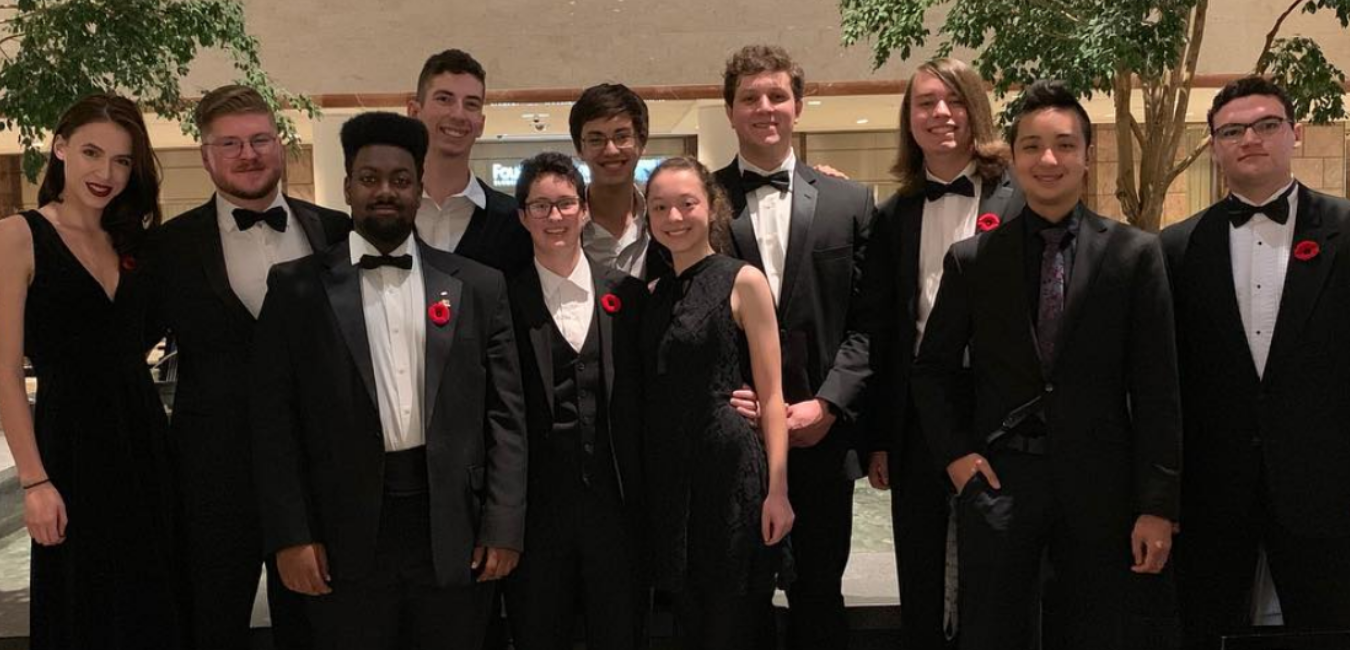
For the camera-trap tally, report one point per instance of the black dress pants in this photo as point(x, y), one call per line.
point(1216, 567)
point(920, 508)
point(1004, 534)
point(822, 498)
point(399, 606)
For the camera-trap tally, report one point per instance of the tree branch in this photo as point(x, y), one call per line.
point(1187, 161)
point(1263, 61)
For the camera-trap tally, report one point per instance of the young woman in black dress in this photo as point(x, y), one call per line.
point(90, 457)
point(717, 487)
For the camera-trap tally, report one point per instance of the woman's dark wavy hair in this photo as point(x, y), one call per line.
point(719, 206)
point(136, 209)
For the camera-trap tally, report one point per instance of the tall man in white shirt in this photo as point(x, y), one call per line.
point(209, 268)
point(952, 168)
point(459, 212)
point(388, 421)
point(609, 130)
point(1261, 288)
point(808, 232)
point(577, 330)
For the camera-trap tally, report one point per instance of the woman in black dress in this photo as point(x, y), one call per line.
point(90, 457)
point(717, 487)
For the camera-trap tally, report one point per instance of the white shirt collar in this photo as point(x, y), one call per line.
point(789, 165)
point(473, 192)
point(1277, 193)
point(969, 171)
point(551, 282)
point(636, 227)
point(360, 247)
point(225, 210)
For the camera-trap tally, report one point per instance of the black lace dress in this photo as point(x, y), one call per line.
point(706, 467)
point(100, 430)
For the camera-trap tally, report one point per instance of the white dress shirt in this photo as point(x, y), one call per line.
point(250, 254)
point(1260, 252)
point(628, 251)
point(945, 221)
point(394, 302)
point(771, 216)
point(442, 226)
point(570, 300)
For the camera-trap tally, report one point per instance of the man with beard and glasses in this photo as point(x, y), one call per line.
point(458, 211)
point(389, 422)
point(209, 267)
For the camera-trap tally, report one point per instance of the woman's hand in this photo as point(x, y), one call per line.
point(776, 519)
point(44, 512)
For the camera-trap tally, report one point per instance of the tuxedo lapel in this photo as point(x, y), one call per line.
point(997, 198)
point(1208, 253)
point(439, 284)
point(1002, 264)
point(804, 194)
point(477, 223)
point(1087, 259)
point(603, 287)
point(910, 214)
point(212, 255)
point(540, 324)
point(1304, 279)
point(309, 222)
point(342, 282)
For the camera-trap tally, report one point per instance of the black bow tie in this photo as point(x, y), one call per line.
point(934, 190)
point(1277, 210)
point(752, 181)
point(275, 218)
point(369, 262)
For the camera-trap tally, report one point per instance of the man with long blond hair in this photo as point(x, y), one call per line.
point(953, 183)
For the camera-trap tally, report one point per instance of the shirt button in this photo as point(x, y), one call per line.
point(402, 370)
point(1049, 388)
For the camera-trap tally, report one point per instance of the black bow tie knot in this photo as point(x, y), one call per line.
point(274, 217)
point(752, 181)
point(1277, 210)
point(934, 190)
point(369, 262)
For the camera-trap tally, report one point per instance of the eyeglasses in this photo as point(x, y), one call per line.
point(234, 147)
point(567, 206)
point(1264, 128)
point(621, 140)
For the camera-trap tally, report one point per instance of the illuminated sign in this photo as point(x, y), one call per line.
point(505, 176)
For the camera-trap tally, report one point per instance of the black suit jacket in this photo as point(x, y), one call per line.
point(621, 359)
point(318, 443)
point(1291, 424)
point(1111, 401)
point(824, 352)
point(495, 236)
point(890, 302)
point(213, 331)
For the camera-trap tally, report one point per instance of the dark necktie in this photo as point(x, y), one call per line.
point(369, 262)
point(1277, 210)
point(1051, 309)
point(752, 181)
point(934, 190)
point(275, 218)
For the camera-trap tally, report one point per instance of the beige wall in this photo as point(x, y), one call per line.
point(351, 46)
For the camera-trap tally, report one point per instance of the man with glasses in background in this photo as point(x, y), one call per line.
point(209, 277)
point(1262, 321)
point(609, 130)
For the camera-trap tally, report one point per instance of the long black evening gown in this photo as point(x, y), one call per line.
point(100, 430)
point(706, 467)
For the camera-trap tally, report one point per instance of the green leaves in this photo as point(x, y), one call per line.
point(1313, 83)
point(139, 48)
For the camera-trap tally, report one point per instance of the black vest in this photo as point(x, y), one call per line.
point(579, 447)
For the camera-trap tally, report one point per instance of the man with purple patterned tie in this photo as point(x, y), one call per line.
point(1074, 442)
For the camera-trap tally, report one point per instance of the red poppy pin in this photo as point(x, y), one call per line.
point(439, 312)
point(128, 263)
point(987, 221)
point(1306, 250)
point(611, 303)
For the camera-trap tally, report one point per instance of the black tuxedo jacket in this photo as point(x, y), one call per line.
point(318, 443)
point(1111, 402)
point(890, 302)
point(213, 331)
point(1291, 424)
point(621, 358)
point(495, 236)
point(824, 352)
